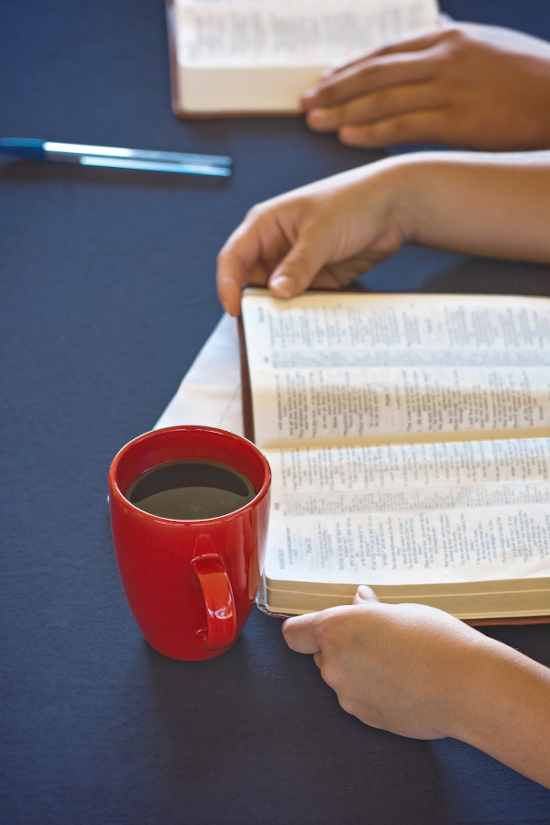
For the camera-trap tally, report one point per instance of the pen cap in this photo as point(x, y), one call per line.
point(22, 147)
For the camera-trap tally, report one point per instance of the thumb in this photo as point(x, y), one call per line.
point(300, 633)
point(297, 269)
point(364, 594)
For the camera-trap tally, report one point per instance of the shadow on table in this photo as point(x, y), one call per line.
point(481, 791)
point(490, 276)
point(31, 172)
point(419, 269)
point(256, 736)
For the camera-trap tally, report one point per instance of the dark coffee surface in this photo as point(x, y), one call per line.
point(190, 490)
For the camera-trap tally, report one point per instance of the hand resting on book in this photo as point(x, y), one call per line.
point(465, 85)
point(408, 668)
point(317, 236)
point(419, 672)
point(324, 234)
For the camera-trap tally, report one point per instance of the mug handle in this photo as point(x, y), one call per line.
point(221, 613)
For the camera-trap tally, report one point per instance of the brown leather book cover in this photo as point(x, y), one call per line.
point(246, 389)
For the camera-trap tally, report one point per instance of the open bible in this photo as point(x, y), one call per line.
point(259, 56)
point(409, 440)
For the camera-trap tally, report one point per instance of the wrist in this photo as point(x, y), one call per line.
point(401, 182)
point(505, 710)
point(474, 702)
point(425, 187)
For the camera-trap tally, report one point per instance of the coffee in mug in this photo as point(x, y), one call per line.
point(189, 514)
point(191, 490)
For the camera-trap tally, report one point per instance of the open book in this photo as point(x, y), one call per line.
point(409, 439)
point(259, 56)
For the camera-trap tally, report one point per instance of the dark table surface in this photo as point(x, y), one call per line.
point(107, 293)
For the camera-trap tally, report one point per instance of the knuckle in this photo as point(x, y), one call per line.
point(328, 94)
point(329, 674)
point(371, 76)
point(307, 210)
point(369, 71)
point(400, 129)
point(224, 254)
point(303, 202)
point(454, 37)
point(346, 704)
point(327, 632)
point(385, 131)
point(378, 104)
point(255, 212)
point(340, 114)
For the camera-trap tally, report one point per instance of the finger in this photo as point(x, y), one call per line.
point(236, 260)
point(368, 108)
point(371, 75)
point(337, 276)
point(412, 127)
point(326, 279)
point(318, 659)
point(413, 44)
point(400, 46)
point(340, 274)
point(299, 267)
point(364, 594)
point(259, 275)
point(301, 633)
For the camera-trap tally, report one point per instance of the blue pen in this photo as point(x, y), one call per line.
point(117, 157)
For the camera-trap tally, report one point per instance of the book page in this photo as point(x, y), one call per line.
point(405, 514)
point(267, 33)
point(358, 368)
point(210, 392)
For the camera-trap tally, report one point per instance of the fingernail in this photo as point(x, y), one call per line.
point(364, 593)
point(316, 117)
point(282, 285)
point(284, 629)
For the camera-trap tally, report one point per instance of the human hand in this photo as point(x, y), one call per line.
point(470, 86)
point(405, 668)
point(322, 235)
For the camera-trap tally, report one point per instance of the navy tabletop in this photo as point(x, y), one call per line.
point(107, 294)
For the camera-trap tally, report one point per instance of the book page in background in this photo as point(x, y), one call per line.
point(349, 368)
point(210, 392)
point(402, 514)
point(227, 33)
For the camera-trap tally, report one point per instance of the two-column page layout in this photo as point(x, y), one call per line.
point(409, 439)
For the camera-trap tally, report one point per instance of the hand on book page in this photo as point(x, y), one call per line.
point(416, 671)
point(422, 90)
point(322, 235)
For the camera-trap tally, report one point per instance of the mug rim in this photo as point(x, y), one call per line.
point(114, 486)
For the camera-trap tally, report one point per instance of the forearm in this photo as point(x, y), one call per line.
point(476, 203)
point(507, 710)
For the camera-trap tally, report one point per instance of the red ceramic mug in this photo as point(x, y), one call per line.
point(190, 584)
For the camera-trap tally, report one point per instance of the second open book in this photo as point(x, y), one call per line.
point(260, 56)
point(409, 438)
